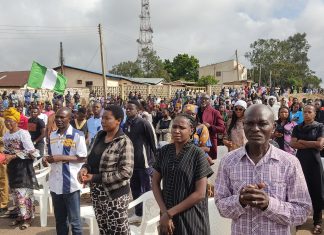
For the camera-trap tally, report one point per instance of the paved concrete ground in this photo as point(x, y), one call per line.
point(35, 229)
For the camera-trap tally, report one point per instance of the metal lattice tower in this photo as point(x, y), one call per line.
point(146, 31)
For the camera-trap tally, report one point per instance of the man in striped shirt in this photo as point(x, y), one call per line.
point(260, 187)
point(67, 151)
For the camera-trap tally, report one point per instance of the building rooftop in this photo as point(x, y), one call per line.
point(151, 81)
point(13, 78)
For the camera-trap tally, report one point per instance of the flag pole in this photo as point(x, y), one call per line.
point(103, 64)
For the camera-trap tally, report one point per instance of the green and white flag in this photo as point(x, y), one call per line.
point(42, 77)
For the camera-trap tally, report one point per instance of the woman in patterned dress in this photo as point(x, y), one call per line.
point(19, 151)
point(183, 170)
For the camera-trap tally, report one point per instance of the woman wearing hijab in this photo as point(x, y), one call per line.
point(20, 151)
point(235, 133)
point(308, 139)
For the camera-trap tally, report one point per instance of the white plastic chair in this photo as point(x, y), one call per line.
point(151, 215)
point(218, 224)
point(39, 161)
point(42, 195)
point(88, 216)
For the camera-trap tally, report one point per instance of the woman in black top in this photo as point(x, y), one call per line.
point(108, 170)
point(308, 139)
point(183, 169)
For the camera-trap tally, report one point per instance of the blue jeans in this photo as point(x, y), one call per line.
point(67, 211)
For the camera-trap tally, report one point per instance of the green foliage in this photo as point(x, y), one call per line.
point(151, 66)
point(184, 67)
point(128, 69)
point(286, 59)
point(207, 80)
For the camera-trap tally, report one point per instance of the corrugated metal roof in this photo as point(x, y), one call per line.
point(88, 71)
point(152, 81)
point(13, 78)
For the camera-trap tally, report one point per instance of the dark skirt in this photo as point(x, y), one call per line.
point(21, 174)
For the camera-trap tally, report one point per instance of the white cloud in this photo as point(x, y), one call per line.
point(211, 30)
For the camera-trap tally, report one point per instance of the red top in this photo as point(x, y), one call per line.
point(216, 122)
point(23, 124)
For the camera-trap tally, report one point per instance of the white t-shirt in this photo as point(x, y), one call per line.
point(43, 117)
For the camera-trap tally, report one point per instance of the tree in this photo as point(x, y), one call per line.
point(183, 66)
point(128, 69)
point(207, 80)
point(286, 59)
point(152, 65)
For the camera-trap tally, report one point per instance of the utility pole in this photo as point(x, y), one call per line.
point(270, 79)
point(61, 58)
point(260, 75)
point(103, 64)
point(237, 66)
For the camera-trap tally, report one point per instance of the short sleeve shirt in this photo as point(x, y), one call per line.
point(63, 176)
point(35, 126)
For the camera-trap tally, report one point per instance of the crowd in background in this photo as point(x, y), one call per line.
point(143, 125)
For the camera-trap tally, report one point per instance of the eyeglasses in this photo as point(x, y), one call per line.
point(239, 109)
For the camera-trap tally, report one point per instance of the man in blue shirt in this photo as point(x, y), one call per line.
point(94, 123)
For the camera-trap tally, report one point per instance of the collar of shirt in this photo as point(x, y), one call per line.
point(269, 154)
point(67, 132)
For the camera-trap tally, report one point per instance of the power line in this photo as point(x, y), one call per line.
point(41, 26)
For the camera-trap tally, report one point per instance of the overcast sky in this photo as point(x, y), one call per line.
point(211, 30)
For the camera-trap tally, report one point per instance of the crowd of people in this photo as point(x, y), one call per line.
point(270, 180)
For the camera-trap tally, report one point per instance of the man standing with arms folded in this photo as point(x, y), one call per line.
point(67, 151)
point(213, 120)
point(142, 135)
point(260, 187)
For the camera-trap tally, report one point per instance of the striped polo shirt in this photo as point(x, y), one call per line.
point(63, 175)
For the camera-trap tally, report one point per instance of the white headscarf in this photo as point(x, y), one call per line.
point(241, 103)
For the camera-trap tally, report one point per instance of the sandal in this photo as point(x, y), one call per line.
point(15, 223)
point(25, 225)
point(317, 229)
